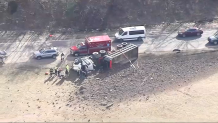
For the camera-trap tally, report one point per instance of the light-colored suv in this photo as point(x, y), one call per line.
point(46, 53)
point(213, 39)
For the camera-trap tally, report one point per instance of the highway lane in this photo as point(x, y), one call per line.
point(169, 42)
point(159, 39)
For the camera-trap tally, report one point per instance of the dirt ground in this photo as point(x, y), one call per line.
point(175, 87)
point(179, 87)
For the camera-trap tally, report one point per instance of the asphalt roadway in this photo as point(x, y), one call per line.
point(161, 38)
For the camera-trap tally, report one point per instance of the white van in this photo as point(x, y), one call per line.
point(131, 33)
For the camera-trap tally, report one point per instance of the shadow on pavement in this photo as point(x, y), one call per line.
point(1, 64)
point(72, 77)
point(136, 42)
point(61, 81)
point(188, 38)
point(59, 43)
point(44, 61)
point(50, 78)
point(70, 57)
point(209, 45)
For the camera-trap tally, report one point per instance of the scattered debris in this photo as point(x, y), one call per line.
point(147, 98)
point(110, 105)
point(103, 104)
point(177, 50)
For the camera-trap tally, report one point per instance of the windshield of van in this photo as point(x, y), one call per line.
point(121, 32)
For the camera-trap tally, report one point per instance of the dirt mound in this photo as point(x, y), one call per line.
point(153, 75)
point(99, 14)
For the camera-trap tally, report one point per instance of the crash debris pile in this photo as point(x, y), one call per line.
point(106, 60)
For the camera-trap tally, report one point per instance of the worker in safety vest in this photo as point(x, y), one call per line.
point(67, 69)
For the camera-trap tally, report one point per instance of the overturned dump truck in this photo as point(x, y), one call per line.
point(126, 53)
point(87, 61)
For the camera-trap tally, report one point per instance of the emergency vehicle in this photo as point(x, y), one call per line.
point(92, 44)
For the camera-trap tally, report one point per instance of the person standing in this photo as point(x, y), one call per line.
point(56, 71)
point(67, 70)
point(84, 71)
point(59, 72)
point(51, 72)
point(61, 75)
point(2, 60)
point(62, 56)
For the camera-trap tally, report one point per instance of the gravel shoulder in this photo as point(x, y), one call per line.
point(173, 87)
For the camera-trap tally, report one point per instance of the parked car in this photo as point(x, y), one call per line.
point(131, 33)
point(190, 32)
point(51, 52)
point(213, 39)
point(3, 56)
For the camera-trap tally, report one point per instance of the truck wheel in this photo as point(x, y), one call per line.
point(139, 39)
point(119, 40)
point(54, 56)
point(119, 46)
point(76, 54)
point(124, 44)
point(39, 57)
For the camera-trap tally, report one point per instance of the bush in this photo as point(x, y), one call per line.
point(71, 9)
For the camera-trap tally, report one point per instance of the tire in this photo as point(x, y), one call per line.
point(124, 44)
point(39, 58)
point(183, 35)
point(76, 54)
point(120, 40)
point(119, 46)
point(198, 34)
point(54, 56)
point(139, 39)
point(215, 42)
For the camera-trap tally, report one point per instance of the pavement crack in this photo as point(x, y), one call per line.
point(185, 93)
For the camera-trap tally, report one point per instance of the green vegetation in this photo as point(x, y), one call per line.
point(71, 9)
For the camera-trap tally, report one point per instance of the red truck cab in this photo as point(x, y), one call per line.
point(92, 44)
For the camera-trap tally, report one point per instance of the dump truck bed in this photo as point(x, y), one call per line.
point(130, 52)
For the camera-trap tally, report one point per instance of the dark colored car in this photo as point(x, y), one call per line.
point(213, 39)
point(190, 32)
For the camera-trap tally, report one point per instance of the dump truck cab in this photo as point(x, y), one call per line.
point(92, 44)
point(77, 64)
